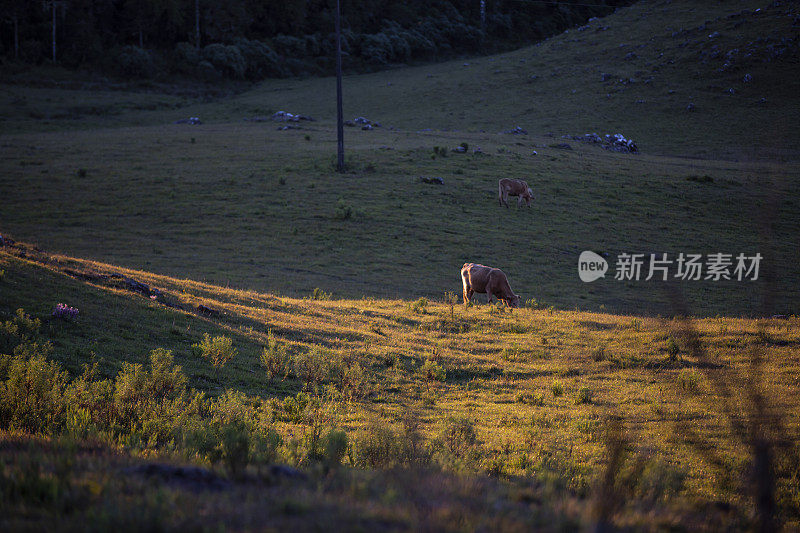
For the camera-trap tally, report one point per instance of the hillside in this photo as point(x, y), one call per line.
point(108, 175)
point(635, 72)
point(537, 389)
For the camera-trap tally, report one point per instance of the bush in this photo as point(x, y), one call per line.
point(584, 396)
point(276, 358)
point(432, 371)
point(689, 380)
point(217, 350)
point(376, 446)
point(32, 398)
point(334, 447)
point(227, 59)
point(264, 445)
point(235, 440)
point(311, 366)
point(599, 353)
point(261, 60)
point(557, 388)
point(419, 306)
point(342, 211)
point(458, 435)
point(355, 383)
point(135, 62)
point(319, 294)
point(19, 329)
point(148, 403)
point(91, 402)
point(530, 398)
point(186, 58)
point(673, 349)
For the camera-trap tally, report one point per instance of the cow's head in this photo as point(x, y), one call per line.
point(528, 196)
point(513, 302)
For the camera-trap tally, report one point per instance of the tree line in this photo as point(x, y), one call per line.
point(256, 39)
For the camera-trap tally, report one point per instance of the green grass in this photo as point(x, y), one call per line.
point(537, 416)
point(262, 209)
point(153, 199)
point(343, 286)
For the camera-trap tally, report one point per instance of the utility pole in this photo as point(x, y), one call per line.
point(54, 31)
point(339, 121)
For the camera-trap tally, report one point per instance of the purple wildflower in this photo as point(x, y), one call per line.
point(64, 311)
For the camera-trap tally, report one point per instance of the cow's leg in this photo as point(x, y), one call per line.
point(519, 201)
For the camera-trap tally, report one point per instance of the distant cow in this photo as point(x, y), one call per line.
point(507, 187)
point(492, 281)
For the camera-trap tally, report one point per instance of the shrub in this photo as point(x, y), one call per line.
point(513, 355)
point(235, 440)
point(458, 435)
point(557, 388)
point(148, 402)
point(584, 396)
point(689, 380)
point(530, 398)
point(32, 398)
point(599, 353)
point(658, 480)
point(376, 446)
point(227, 59)
point(334, 447)
point(233, 406)
point(90, 401)
point(264, 445)
point(319, 294)
point(186, 58)
point(673, 349)
point(342, 211)
point(294, 408)
point(20, 328)
point(291, 46)
point(311, 366)
point(217, 350)
point(419, 306)
point(135, 62)
point(276, 358)
point(355, 383)
point(432, 371)
point(261, 60)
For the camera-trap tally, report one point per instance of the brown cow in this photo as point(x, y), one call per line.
point(492, 281)
point(507, 187)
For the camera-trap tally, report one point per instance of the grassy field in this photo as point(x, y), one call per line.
point(537, 387)
point(597, 403)
point(239, 203)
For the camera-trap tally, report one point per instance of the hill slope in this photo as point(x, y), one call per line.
point(537, 388)
point(633, 72)
point(236, 202)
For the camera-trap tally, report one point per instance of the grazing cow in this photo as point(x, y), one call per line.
point(492, 281)
point(507, 187)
